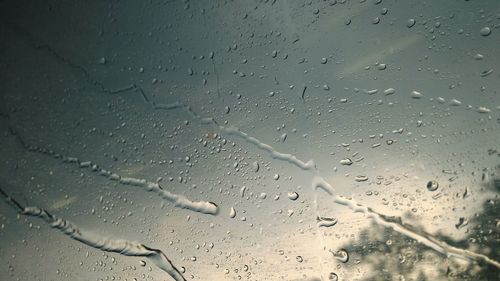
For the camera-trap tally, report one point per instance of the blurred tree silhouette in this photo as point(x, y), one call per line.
point(392, 256)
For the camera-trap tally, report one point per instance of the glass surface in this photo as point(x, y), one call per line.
point(250, 140)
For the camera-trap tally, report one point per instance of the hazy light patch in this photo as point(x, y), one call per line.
point(378, 53)
point(63, 203)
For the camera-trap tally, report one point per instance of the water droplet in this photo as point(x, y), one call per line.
point(283, 137)
point(483, 109)
point(389, 91)
point(255, 166)
point(432, 185)
point(361, 178)
point(341, 255)
point(410, 23)
point(416, 95)
point(346, 161)
point(293, 196)
point(299, 259)
point(462, 222)
point(485, 73)
point(232, 213)
point(455, 102)
point(485, 31)
point(333, 276)
point(324, 60)
point(326, 222)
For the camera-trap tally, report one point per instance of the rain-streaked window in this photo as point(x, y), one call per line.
point(250, 140)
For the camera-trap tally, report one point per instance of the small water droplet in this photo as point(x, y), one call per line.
point(485, 73)
point(293, 196)
point(478, 57)
point(361, 178)
point(410, 23)
point(333, 276)
point(346, 161)
point(416, 95)
point(255, 166)
point(485, 31)
point(461, 222)
point(283, 137)
point(232, 213)
point(326, 222)
point(432, 185)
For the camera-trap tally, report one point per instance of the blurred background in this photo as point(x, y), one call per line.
point(248, 104)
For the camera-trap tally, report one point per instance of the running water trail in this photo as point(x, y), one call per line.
point(290, 158)
point(179, 201)
point(120, 246)
point(319, 182)
point(234, 131)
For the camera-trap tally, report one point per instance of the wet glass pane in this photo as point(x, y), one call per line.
point(250, 140)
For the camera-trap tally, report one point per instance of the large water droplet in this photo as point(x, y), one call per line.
point(333, 276)
point(342, 255)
